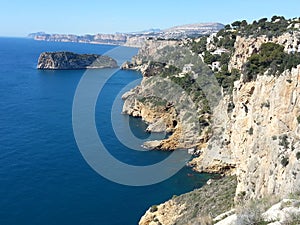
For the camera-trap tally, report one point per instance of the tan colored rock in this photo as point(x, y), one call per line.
point(245, 47)
point(165, 214)
point(260, 137)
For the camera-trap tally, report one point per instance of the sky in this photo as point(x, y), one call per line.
point(19, 18)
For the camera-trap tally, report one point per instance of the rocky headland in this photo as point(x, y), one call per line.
point(233, 97)
point(169, 98)
point(71, 61)
point(135, 39)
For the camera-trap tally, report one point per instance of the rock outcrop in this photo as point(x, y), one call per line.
point(71, 61)
point(260, 137)
point(245, 47)
point(163, 115)
point(196, 207)
point(164, 101)
point(258, 140)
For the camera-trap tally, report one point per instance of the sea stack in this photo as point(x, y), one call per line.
point(73, 61)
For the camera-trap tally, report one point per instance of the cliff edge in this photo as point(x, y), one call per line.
point(252, 131)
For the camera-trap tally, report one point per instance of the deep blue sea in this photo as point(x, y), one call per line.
point(43, 177)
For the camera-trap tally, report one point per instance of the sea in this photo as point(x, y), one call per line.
point(44, 178)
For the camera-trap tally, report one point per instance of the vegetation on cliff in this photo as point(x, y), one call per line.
point(271, 58)
point(277, 26)
point(211, 200)
point(254, 130)
point(195, 207)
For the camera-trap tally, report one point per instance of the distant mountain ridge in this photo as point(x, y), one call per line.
point(134, 39)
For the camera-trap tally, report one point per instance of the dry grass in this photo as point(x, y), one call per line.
point(207, 202)
point(251, 212)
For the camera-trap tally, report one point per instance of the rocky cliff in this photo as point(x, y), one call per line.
point(196, 207)
point(112, 39)
point(246, 46)
point(169, 98)
point(135, 39)
point(254, 130)
point(259, 140)
point(70, 61)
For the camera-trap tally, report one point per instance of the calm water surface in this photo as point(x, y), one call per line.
point(43, 177)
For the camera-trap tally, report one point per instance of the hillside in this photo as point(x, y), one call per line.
point(234, 97)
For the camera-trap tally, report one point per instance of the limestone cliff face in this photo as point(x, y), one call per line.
point(152, 47)
point(166, 109)
point(265, 138)
point(169, 102)
point(135, 41)
point(260, 137)
point(160, 117)
point(257, 138)
point(245, 47)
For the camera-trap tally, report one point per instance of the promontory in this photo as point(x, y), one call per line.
point(234, 99)
point(70, 61)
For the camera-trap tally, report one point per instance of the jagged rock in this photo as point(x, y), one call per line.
point(287, 211)
point(194, 207)
point(263, 143)
point(157, 126)
point(245, 47)
point(152, 144)
point(70, 60)
point(258, 139)
point(160, 100)
point(283, 212)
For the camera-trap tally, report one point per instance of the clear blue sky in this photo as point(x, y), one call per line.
point(20, 17)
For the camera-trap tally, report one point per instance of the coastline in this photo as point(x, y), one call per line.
point(53, 175)
point(226, 137)
point(245, 133)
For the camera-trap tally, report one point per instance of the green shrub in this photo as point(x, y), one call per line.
point(250, 131)
point(298, 155)
point(210, 58)
point(284, 161)
point(199, 47)
point(284, 141)
point(265, 104)
point(230, 107)
point(270, 57)
point(251, 211)
point(298, 119)
point(226, 79)
point(153, 208)
point(170, 71)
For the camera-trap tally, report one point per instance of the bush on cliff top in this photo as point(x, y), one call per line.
point(273, 28)
point(272, 58)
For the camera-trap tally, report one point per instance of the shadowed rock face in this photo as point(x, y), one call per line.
point(70, 61)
